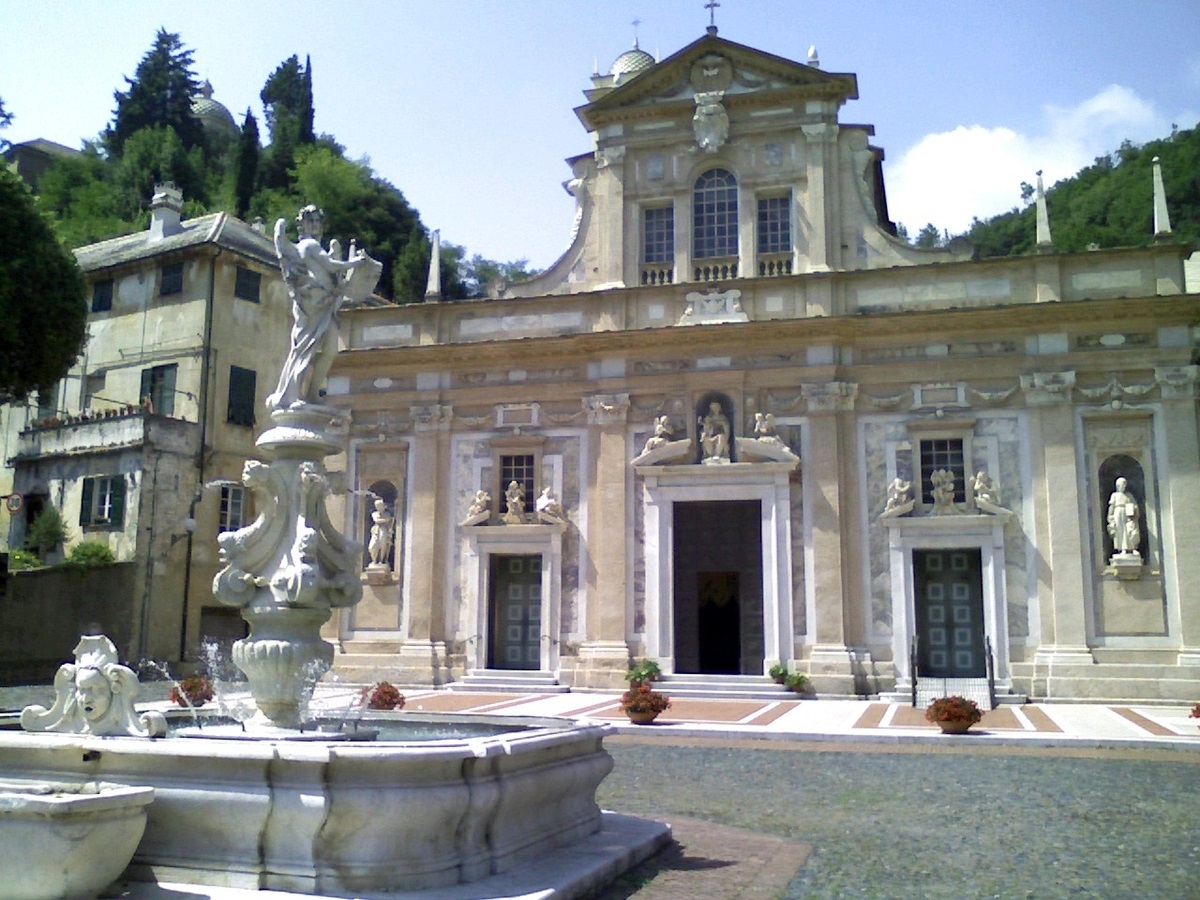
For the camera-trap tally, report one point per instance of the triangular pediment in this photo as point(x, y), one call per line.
point(715, 64)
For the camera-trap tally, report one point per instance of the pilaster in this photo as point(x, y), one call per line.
point(820, 155)
point(1056, 489)
point(829, 406)
point(604, 655)
point(1182, 492)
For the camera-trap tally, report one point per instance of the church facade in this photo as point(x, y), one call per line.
point(740, 423)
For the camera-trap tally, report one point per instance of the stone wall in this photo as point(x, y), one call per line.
point(44, 611)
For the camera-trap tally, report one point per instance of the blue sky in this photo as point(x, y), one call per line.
point(467, 105)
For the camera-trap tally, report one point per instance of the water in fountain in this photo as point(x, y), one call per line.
point(165, 674)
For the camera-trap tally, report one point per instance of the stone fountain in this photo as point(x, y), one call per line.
point(274, 808)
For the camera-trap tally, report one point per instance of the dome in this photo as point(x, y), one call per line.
point(212, 115)
point(631, 62)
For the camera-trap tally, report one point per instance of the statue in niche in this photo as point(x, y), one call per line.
point(380, 543)
point(985, 489)
point(94, 695)
point(1123, 520)
point(943, 491)
point(899, 498)
point(548, 508)
point(320, 282)
point(714, 435)
point(662, 434)
point(514, 501)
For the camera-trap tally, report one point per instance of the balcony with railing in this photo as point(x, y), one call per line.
point(772, 265)
point(657, 273)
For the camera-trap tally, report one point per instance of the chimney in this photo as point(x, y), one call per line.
point(165, 208)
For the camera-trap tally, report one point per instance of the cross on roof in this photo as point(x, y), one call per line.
point(711, 6)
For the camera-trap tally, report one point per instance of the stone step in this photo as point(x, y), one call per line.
point(724, 687)
point(509, 681)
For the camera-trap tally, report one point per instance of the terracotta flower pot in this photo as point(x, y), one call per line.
point(641, 718)
point(960, 726)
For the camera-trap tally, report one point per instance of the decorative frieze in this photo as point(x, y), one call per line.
point(606, 409)
point(1048, 388)
point(831, 397)
point(431, 417)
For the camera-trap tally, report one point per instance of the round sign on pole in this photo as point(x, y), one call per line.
point(14, 503)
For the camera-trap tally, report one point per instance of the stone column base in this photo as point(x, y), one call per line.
point(602, 665)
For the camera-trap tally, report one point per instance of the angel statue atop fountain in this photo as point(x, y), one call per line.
point(320, 282)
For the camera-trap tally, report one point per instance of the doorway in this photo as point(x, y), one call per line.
point(717, 584)
point(949, 613)
point(515, 612)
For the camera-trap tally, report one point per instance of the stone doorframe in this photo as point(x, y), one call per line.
point(950, 532)
point(663, 487)
point(486, 541)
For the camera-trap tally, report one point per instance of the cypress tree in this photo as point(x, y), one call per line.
point(247, 165)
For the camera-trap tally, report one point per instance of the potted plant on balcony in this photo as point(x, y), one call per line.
point(954, 715)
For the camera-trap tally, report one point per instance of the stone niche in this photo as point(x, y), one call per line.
point(1129, 597)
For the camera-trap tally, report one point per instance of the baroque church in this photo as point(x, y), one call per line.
point(740, 423)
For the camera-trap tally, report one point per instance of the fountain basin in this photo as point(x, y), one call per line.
point(341, 818)
point(67, 840)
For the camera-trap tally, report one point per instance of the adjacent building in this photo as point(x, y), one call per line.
point(741, 423)
point(142, 445)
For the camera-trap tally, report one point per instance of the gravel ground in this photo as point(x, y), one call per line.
point(937, 824)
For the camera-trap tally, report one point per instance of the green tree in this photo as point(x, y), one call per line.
point(480, 274)
point(5, 120)
point(928, 237)
point(47, 532)
point(287, 102)
point(80, 195)
point(246, 174)
point(159, 95)
point(152, 156)
point(43, 314)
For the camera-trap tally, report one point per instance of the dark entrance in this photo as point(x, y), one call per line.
point(515, 612)
point(949, 601)
point(717, 602)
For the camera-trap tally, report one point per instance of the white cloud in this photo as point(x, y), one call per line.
point(950, 177)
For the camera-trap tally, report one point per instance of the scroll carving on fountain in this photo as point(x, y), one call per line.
point(289, 569)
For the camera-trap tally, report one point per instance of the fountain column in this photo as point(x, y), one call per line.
point(290, 568)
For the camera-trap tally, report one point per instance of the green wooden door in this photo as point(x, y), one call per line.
point(949, 601)
point(516, 619)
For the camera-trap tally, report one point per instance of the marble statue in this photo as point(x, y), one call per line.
point(662, 434)
point(899, 497)
point(943, 491)
point(548, 508)
point(985, 489)
point(1123, 520)
point(380, 543)
point(94, 695)
point(514, 503)
point(764, 427)
point(320, 282)
point(714, 434)
point(480, 509)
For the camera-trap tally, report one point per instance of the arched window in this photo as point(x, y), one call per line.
point(715, 215)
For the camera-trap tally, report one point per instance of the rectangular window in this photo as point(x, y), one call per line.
point(103, 501)
point(942, 454)
point(158, 385)
point(247, 284)
point(47, 402)
point(519, 468)
point(233, 508)
point(775, 224)
point(102, 294)
point(242, 384)
point(658, 234)
point(171, 280)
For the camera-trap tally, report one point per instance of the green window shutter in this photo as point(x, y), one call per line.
point(117, 516)
point(147, 384)
point(242, 385)
point(85, 502)
point(167, 403)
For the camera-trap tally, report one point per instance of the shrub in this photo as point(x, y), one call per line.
point(22, 559)
point(640, 699)
point(194, 691)
point(383, 695)
point(90, 553)
point(953, 709)
point(778, 672)
point(796, 681)
point(644, 672)
point(47, 532)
